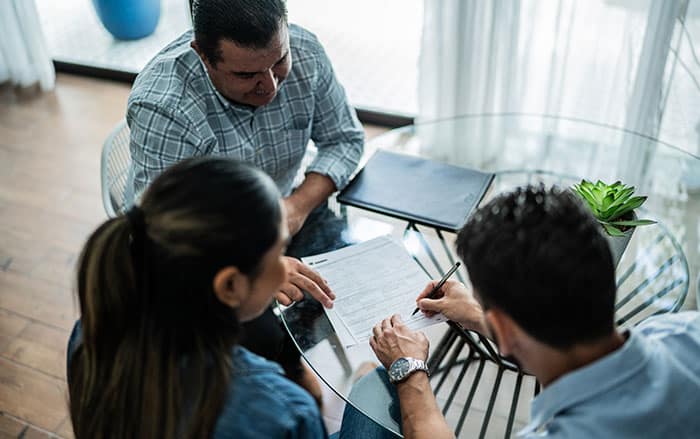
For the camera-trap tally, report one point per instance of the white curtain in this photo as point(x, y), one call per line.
point(599, 60)
point(466, 66)
point(24, 58)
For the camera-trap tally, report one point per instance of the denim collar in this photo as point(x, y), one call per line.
point(246, 362)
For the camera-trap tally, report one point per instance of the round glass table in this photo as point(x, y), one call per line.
point(482, 394)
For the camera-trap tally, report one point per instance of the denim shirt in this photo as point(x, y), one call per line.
point(261, 402)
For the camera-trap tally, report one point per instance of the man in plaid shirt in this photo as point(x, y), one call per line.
point(247, 85)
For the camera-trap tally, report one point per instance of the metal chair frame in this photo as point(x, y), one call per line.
point(114, 170)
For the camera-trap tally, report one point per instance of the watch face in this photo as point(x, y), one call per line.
point(399, 369)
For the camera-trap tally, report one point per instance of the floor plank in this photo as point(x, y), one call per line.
point(31, 395)
point(10, 326)
point(65, 430)
point(37, 299)
point(40, 347)
point(10, 427)
point(34, 433)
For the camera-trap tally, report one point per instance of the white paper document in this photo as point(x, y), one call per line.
point(371, 281)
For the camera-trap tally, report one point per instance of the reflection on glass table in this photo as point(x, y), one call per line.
point(481, 393)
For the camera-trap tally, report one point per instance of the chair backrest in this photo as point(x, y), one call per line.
point(115, 170)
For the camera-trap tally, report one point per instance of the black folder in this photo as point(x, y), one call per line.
point(417, 190)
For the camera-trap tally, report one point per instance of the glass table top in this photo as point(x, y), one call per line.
point(572, 149)
point(658, 272)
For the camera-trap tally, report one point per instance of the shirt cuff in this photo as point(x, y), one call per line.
point(338, 170)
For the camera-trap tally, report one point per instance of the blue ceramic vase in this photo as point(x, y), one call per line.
point(128, 19)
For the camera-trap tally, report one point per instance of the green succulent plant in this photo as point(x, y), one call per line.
point(612, 205)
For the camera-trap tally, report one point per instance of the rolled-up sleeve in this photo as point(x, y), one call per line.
point(160, 137)
point(337, 133)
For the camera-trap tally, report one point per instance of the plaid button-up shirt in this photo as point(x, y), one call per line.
point(174, 112)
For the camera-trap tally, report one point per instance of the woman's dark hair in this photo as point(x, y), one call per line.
point(248, 23)
point(540, 256)
point(155, 358)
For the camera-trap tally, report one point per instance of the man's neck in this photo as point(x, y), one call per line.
point(561, 362)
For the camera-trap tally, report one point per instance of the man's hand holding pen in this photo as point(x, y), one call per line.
point(391, 339)
point(456, 302)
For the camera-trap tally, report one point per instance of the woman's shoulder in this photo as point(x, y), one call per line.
point(263, 403)
point(246, 363)
point(253, 375)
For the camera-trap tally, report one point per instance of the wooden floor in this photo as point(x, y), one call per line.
point(49, 202)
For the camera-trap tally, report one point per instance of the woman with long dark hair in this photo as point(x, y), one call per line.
point(162, 292)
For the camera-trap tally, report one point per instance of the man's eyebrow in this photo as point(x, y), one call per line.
point(283, 57)
point(254, 73)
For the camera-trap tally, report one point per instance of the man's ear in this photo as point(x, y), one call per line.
point(195, 46)
point(231, 286)
point(504, 330)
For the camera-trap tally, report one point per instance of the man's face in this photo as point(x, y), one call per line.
point(251, 76)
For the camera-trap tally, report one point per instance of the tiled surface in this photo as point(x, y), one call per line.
point(75, 34)
point(373, 45)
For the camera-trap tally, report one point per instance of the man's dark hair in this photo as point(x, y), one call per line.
point(248, 23)
point(540, 256)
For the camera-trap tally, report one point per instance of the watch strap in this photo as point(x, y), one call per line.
point(414, 365)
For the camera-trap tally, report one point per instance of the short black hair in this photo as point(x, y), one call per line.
point(248, 23)
point(539, 255)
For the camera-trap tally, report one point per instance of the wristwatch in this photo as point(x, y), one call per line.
point(405, 366)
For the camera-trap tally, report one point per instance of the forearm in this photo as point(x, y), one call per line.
point(338, 160)
point(420, 415)
point(314, 190)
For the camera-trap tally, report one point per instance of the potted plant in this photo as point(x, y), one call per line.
point(613, 205)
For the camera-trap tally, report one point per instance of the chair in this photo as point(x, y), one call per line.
point(115, 171)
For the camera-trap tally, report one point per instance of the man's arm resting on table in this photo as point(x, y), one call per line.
point(420, 415)
point(313, 191)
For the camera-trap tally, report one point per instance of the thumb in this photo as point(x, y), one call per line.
point(434, 305)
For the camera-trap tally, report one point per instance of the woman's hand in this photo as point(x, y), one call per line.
point(300, 277)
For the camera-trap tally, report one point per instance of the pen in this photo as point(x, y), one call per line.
point(439, 284)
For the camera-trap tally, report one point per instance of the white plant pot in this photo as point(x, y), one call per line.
point(618, 244)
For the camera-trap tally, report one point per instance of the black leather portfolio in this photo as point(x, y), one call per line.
point(416, 189)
